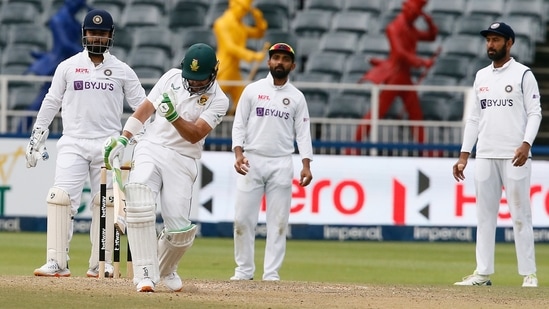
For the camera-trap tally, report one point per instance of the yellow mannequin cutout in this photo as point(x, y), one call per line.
point(231, 34)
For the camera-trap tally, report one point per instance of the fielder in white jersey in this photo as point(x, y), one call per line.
point(271, 114)
point(189, 104)
point(89, 88)
point(503, 122)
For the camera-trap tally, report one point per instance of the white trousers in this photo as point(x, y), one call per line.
point(272, 177)
point(170, 176)
point(490, 176)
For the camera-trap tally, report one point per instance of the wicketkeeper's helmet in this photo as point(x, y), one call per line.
point(97, 20)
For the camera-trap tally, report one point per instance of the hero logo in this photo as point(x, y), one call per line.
point(82, 85)
point(271, 112)
point(338, 190)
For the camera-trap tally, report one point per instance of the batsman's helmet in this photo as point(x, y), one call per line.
point(97, 20)
point(199, 64)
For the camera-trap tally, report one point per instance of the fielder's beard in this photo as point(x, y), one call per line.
point(279, 74)
point(497, 54)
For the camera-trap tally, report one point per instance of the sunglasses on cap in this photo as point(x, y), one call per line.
point(282, 47)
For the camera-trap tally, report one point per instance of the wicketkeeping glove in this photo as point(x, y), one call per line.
point(114, 150)
point(36, 148)
point(166, 108)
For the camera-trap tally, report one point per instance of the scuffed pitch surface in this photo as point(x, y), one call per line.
point(80, 292)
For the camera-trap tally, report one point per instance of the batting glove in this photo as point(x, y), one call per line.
point(114, 150)
point(166, 109)
point(36, 148)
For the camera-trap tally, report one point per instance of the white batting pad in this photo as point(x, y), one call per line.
point(94, 230)
point(172, 246)
point(141, 219)
point(58, 225)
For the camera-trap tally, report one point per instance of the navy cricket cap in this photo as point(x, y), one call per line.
point(98, 20)
point(500, 28)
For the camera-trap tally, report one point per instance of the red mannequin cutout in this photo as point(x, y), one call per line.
point(395, 70)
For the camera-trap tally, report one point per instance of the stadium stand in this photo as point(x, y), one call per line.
point(454, 8)
point(347, 106)
point(312, 23)
point(371, 6)
point(33, 35)
point(142, 15)
point(155, 37)
point(470, 24)
point(492, 8)
point(465, 45)
point(185, 15)
point(348, 21)
point(20, 13)
point(374, 44)
point(339, 42)
point(333, 39)
point(324, 5)
point(39, 4)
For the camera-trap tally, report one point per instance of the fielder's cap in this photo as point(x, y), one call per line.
point(282, 47)
point(199, 62)
point(500, 28)
point(98, 20)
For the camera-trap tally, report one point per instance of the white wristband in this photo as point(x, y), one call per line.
point(133, 125)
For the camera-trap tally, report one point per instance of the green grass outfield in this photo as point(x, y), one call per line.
point(399, 263)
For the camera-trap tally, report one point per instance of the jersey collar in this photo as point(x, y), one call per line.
point(270, 79)
point(106, 55)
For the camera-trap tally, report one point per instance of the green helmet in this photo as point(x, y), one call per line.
point(199, 63)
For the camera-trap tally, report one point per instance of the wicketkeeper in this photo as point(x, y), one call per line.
point(89, 88)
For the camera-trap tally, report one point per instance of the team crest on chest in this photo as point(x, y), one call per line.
point(202, 100)
point(107, 72)
point(508, 88)
point(285, 101)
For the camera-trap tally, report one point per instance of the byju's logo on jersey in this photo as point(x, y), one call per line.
point(485, 103)
point(83, 85)
point(271, 112)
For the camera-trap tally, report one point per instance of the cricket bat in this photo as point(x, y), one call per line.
point(119, 198)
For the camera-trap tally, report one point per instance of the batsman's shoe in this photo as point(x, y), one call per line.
point(145, 285)
point(530, 281)
point(475, 279)
point(51, 269)
point(173, 282)
point(94, 272)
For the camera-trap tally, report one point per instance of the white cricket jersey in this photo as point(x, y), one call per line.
point(211, 107)
point(269, 118)
point(90, 97)
point(506, 111)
